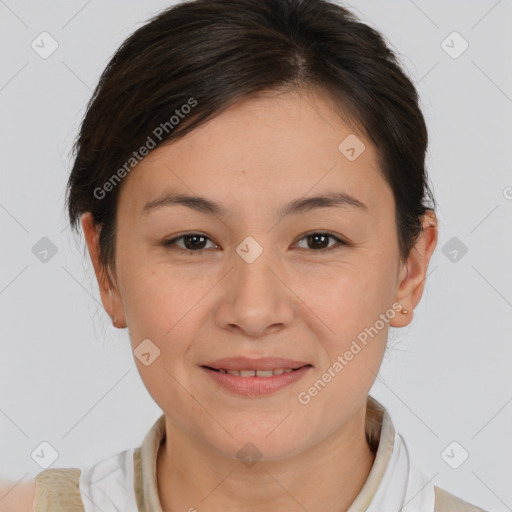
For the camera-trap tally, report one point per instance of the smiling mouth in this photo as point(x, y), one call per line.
point(254, 382)
point(256, 373)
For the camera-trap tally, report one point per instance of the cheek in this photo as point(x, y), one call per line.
point(354, 297)
point(356, 305)
point(154, 296)
point(166, 306)
point(162, 322)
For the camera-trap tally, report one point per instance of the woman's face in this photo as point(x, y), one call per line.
point(251, 282)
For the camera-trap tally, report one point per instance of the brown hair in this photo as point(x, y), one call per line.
point(210, 54)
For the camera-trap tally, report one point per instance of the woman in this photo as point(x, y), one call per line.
point(251, 183)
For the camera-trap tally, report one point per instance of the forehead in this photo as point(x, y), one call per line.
point(270, 148)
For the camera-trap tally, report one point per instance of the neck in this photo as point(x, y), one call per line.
point(192, 476)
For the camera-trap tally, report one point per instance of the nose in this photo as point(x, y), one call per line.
point(256, 299)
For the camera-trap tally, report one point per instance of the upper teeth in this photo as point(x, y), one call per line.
point(258, 373)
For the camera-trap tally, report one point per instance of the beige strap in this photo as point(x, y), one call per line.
point(57, 491)
point(138, 483)
point(446, 502)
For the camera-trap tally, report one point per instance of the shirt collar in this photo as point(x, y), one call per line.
point(380, 435)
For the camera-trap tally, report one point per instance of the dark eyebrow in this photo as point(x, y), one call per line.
point(333, 199)
point(295, 207)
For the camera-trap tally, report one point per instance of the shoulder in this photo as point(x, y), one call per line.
point(57, 489)
point(447, 502)
point(108, 484)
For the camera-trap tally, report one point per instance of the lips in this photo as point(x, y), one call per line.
point(255, 377)
point(246, 364)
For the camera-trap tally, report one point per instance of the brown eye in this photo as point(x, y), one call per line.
point(192, 242)
point(320, 241)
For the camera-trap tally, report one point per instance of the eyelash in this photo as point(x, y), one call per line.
point(171, 244)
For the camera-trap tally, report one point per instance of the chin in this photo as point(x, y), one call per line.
point(255, 444)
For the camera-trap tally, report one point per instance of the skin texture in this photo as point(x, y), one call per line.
point(296, 300)
point(17, 497)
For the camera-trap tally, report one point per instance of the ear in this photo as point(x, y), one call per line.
point(109, 292)
point(413, 272)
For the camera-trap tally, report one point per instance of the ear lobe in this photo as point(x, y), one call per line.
point(109, 293)
point(413, 275)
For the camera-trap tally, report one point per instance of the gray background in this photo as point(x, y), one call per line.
point(67, 377)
